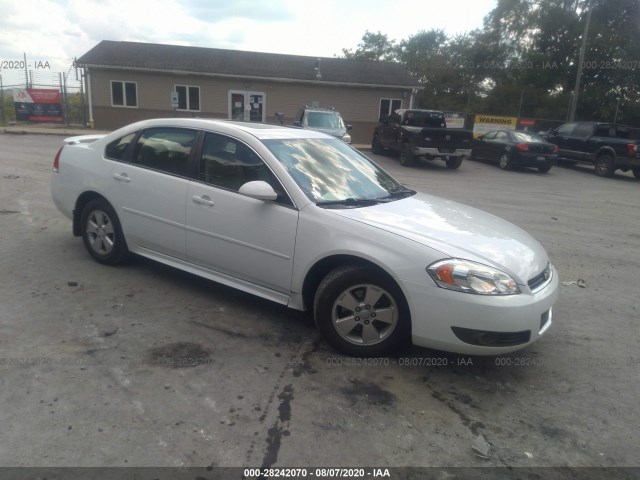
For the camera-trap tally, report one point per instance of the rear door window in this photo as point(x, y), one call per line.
point(165, 149)
point(117, 149)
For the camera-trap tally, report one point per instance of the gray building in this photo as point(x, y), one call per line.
point(128, 81)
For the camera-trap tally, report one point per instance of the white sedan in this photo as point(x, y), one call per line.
point(305, 220)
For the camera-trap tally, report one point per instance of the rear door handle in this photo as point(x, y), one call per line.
point(203, 200)
point(121, 177)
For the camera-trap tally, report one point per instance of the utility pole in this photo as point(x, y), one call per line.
point(583, 48)
point(26, 72)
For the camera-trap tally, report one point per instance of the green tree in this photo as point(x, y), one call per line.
point(525, 60)
point(374, 46)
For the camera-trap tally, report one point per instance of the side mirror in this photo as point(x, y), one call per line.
point(297, 123)
point(258, 189)
point(349, 128)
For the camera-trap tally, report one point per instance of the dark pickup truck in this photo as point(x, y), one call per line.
point(422, 133)
point(607, 146)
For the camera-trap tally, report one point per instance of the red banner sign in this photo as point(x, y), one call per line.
point(38, 105)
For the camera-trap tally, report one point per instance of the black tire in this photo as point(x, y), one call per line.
point(605, 165)
point(504, 162)
point(454, 163)
point(407, 158)
point(376, 148)
point(636, 172)
point(544, 168)
point(102, 233)
point(358, 297)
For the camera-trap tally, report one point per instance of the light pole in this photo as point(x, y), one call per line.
point(583, 48)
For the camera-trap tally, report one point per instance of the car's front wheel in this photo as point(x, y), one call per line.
point(361, 312)
point(376, 148)
point(407, 158)
point(102, 233)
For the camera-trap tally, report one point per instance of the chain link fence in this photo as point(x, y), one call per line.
point(72, 103)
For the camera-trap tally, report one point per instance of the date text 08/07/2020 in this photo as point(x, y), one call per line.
point(316, 472)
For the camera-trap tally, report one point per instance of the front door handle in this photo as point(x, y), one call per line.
point(203, 200)
point(122, 177)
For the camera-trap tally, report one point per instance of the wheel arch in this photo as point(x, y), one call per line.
point(322, 267)
point(604, 151)
point(82, 200)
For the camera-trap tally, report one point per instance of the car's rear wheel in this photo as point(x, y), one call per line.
point(605, 165)
point(454, 163)
point(102, 233)
point(407, 158)
point(504, 162)
point(544, 168)
point(361, 312)
point(636, 172)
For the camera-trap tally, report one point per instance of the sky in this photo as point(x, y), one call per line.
point(53, 32)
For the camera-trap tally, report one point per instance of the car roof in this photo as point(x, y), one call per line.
point(261, 131)
point(400, 111)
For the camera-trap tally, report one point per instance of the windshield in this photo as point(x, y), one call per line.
point(324, 120)
point(330, 171)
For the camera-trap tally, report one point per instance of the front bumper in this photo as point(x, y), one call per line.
point(456, 322)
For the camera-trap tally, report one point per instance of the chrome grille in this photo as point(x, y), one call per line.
point(541, 280)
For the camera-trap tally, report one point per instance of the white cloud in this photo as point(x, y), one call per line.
point(59, 30)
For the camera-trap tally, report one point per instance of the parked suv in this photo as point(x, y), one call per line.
point(325, 120)
point(607, 146)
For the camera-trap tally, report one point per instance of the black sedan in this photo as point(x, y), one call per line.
point(511, 148)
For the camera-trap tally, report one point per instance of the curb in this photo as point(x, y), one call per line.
point(44, 131)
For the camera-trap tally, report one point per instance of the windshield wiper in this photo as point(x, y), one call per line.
point(349, 202)
point(397, 195)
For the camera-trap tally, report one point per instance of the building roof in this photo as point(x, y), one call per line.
point(237, 63)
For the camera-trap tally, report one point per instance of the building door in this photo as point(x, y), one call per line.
point(247, 106)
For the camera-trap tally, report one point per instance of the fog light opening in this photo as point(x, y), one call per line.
point(487, 338)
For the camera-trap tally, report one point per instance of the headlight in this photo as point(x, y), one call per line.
point(472, 277)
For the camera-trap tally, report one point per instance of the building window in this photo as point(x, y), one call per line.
point(388, 106)
point(124, 94)
point(188, 97)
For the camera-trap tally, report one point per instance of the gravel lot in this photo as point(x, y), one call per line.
point(143, 365)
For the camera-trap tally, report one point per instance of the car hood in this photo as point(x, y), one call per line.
point(457, 231)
